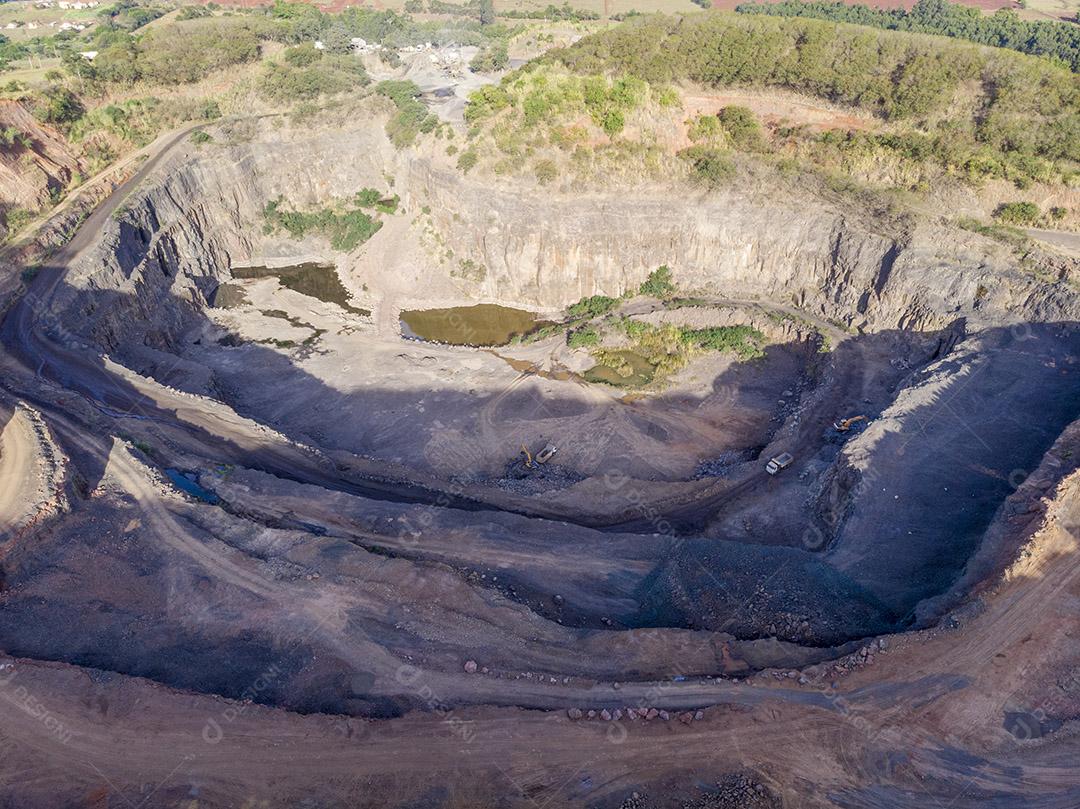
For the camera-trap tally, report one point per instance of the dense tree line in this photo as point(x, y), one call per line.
point(554, 13)
point(1003, 29)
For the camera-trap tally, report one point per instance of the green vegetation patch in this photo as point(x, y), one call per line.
point(539, 96)
point(593, 306)
point(658, 284)
point(744, 341)
point(1018, 213)
point(976, 112)
point(345, 230)
point(583, 337)
point(301, 78)
point(412, 116)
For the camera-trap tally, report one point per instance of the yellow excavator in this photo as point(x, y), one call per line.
point(843, 425)
point(543, 456)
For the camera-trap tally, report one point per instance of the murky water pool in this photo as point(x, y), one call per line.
point(632, 371)
point(314, 280)
point(485, 324)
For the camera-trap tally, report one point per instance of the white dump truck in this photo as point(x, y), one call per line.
point(778, 462)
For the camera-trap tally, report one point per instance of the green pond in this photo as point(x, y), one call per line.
point(634, 371)
point(485, 324)
point(314, 280)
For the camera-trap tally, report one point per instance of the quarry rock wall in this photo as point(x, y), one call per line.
point(550, 249)
point(174, 240)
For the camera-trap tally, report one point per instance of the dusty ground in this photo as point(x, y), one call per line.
point(345, 602)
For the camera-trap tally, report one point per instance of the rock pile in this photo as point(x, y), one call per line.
point(633, 714)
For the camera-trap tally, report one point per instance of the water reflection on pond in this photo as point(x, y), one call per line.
point(484, 324)
point(314, 280)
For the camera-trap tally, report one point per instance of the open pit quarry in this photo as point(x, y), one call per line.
point(261, 545)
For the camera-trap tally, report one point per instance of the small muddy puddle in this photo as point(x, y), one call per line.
point(559, 373)
point(314, 280)
point(631, 371)
point(485, 324)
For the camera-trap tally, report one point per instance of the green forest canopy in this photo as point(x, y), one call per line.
point(1003, 29)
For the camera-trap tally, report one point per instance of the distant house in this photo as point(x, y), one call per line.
point(88, 55)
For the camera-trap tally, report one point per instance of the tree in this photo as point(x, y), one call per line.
point(485, 11)
point(338, 39)
point(58, 105)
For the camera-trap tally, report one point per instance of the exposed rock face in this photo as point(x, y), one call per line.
point(181, 236)
point(174, 242)
point(550, 249)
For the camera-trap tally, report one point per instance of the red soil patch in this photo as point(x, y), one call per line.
point(777, 109)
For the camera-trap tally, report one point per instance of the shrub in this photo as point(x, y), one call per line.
point(58, 105)
point(711, 167)
point(658, 284)
point(663, 346)
point(741, 125)
point(612, 121)
point(181, 54)
point(10, 136)
point(467, 160)
point(583, 338)
point(545, 171)
point(745, 341)
point(668, 97)
point(705, 128)
point(491, 59)
point(488, 100)
point(412, 116)
point(199, 137)
point(1017, 213)
point(303, 55)
point(367, 197)
point(591, 307)
point(327, 76)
